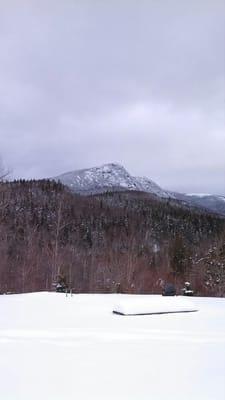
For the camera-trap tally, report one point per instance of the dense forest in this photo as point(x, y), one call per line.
point(114, 242)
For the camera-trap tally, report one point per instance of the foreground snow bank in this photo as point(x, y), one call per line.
point(55, 347)
point(143, 305)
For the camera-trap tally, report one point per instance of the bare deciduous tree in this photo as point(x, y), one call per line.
point(4, 172)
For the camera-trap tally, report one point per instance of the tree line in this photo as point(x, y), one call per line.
point(114, 242)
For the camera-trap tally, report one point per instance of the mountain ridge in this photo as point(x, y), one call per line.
point(114, 177)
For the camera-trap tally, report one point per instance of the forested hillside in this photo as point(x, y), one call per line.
point(114, 242)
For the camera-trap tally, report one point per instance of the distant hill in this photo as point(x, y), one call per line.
point(208, 201)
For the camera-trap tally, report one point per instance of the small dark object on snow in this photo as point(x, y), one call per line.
point(169, 290)
point(187, 291)
point(61, 288)
point(61, 285)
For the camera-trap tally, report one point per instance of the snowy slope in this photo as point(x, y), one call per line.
point(108, 177)
point(55, 347)
point(147, 185)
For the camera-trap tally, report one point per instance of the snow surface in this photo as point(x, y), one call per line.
point(147, 185)
point(155, 305)
point(198, 194)
point(55, 347)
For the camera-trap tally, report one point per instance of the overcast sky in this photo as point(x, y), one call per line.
point(141, 83)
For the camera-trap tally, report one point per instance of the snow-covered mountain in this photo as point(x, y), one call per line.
point(98, 179)
point(114, 177)
point(108, 177)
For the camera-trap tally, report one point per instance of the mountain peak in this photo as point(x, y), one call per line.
point(111, 176)
point(99, 179)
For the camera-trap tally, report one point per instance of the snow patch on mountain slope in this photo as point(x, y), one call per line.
point(147, 185)
point(198, 194)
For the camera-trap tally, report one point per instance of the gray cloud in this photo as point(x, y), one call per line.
point(141, 83)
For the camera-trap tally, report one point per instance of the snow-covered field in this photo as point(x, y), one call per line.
point(54, 347)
